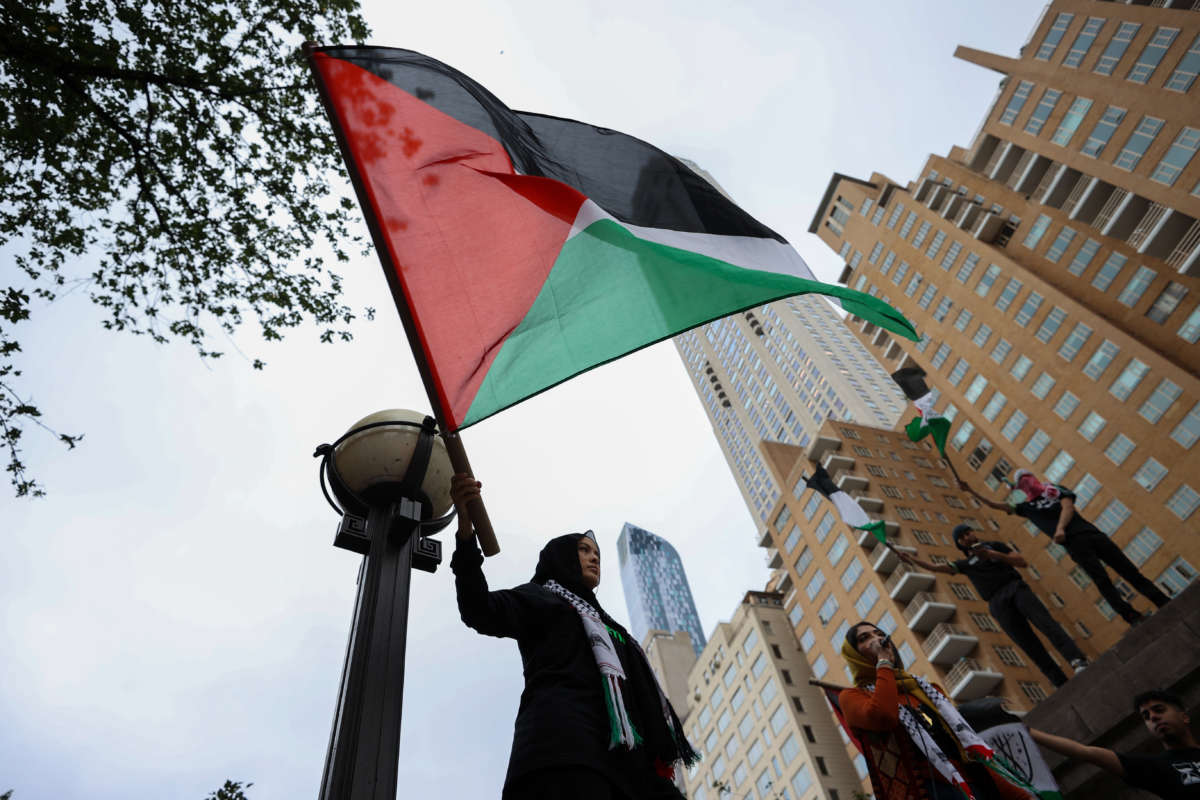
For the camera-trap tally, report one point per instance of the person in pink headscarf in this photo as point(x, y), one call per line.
point(1052, 509)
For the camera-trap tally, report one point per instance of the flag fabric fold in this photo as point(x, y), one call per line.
point(911, 381)
point(848, 509)
point(528, 248)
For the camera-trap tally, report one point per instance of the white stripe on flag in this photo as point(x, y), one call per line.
point(850, 511)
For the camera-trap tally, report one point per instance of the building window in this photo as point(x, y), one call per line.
point(1016, 102)
point(1091, 426)
point(1036, 444)
point(1119, 449)
point(1160, 401)
point(1116, 48)
point(1142, 546)
point(1020, 367)
point(1036, 231)
point(1103, 131)
point(1014, 425)
point(1189, 331)
point(1061, 243)
point(1176, 577)
point(866, 601)
point(1152, 54)
point(1074, 341)
point(967, 268)
point(1009, 656)
point(1112, 517)
point(1053, 37)
point(1050, 324)
point(1044, 108)
point(1129, 379)
point(1177, 157)
point(994, 406)
point(1167, 301)
point(956, 375)
point(1070, 121)
point(1011, 290)
point(976, 459)
point(939, 238)
point(1184, 502)
point(1109, 271)
point(1066, 405)
point(986, 280)
point(1083, 258)
point(1139, 141)
point(1060, 465)
point(1100, 359)
point(1137, 286)
point(1187, 431)
point(962, 435)
point(828, 609)
point(1181, 79)
point(815, 584)
point(982, 334)
point(1033, 690)
point(984, 622)
point(1042, 386)
point(962, 591)
point(1083, 42)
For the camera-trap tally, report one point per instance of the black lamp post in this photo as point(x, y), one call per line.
point(389, 474)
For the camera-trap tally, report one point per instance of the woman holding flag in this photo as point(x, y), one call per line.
point(917, 745)
point(593, 723)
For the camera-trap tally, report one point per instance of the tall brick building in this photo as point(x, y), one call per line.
point(1054, 271)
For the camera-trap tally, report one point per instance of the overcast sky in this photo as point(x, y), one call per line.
point(174, 614)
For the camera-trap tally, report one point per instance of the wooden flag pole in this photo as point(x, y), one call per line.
point(823, 685)
point(454, 446)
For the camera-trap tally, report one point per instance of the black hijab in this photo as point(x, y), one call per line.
point(663, 737)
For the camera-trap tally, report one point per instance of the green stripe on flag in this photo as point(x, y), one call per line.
point(878, 529)
point(611, 293)
point(938, 427)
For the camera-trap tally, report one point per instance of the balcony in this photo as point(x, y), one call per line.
point(927, 609)
point(970, 680)
point(835, 463)
point(853, 483)
point(868, 503)
point(847, 270)
point(822, 445)
point(988, 226)
point(907, 580)
point(881, 338)
point(764, 537)
point(893, 352)
point(774, 559)
point(955, 207)
point(886, 559)
point(785, 585)
point(948, 643)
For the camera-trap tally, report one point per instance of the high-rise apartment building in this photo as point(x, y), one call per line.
point(1054, 272)
point(833, 577)
point(671, 656)
point(764, 731)
point(777, 372)
point(656, 587)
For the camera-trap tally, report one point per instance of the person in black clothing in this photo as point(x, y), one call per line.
point(991, 567)
point(1052, 509)
point(1173, 774)
point(593, 723)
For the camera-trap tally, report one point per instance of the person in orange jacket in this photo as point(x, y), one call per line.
point(917, 745)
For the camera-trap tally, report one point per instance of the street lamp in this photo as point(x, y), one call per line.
point(390, 482)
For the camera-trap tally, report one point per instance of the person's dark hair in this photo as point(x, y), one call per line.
point(1162, 695)
point(957, 534)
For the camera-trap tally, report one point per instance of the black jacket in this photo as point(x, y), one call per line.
point(561, 721)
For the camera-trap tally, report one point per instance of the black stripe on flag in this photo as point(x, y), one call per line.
point(911, 381)
point(821, 481)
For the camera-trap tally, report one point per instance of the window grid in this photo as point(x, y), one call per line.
point(1137, 286)
point(1103, 131)
point(1149, 474)
point(1138, 142)
point(1167, 301)
point(1030, 307)
point(1074, 342)
point(1116, 48)
point(1050, 324)
point(1015, 424)
point(1177, 156)
point(1083, 258)
point(1100, 359)
point(1185, 72)
point(1060, 245)
point(1152, 54)
point(1016, 102)
point(1041, 112)
point(1160, 401)
point(1080, 106)
point(1129, 379)
point(1184, 502)
point(1053, 37)
point(1083, 42)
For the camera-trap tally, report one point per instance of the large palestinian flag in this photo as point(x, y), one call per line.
point(526, 249)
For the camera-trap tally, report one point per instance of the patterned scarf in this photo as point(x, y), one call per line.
point(612, 673)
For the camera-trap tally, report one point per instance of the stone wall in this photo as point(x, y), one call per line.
point(1096, 706)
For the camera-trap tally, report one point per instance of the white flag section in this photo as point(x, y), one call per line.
point(850, 511)
point(924, 405)
point(1017, 750)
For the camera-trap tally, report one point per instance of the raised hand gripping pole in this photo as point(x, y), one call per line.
point(478, 513)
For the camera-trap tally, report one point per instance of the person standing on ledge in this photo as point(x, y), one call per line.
point(593, 723)
point(991, 567)
point(1173, 774)
point(1052, 509)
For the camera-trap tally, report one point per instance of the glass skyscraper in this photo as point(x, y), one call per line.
point(656, 587)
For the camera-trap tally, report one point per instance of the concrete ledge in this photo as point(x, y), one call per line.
point(1096, 707)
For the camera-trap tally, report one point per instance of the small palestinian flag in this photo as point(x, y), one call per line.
point(524, 249)
point(1016, 757)
point(912, 382)
point(850, 511)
